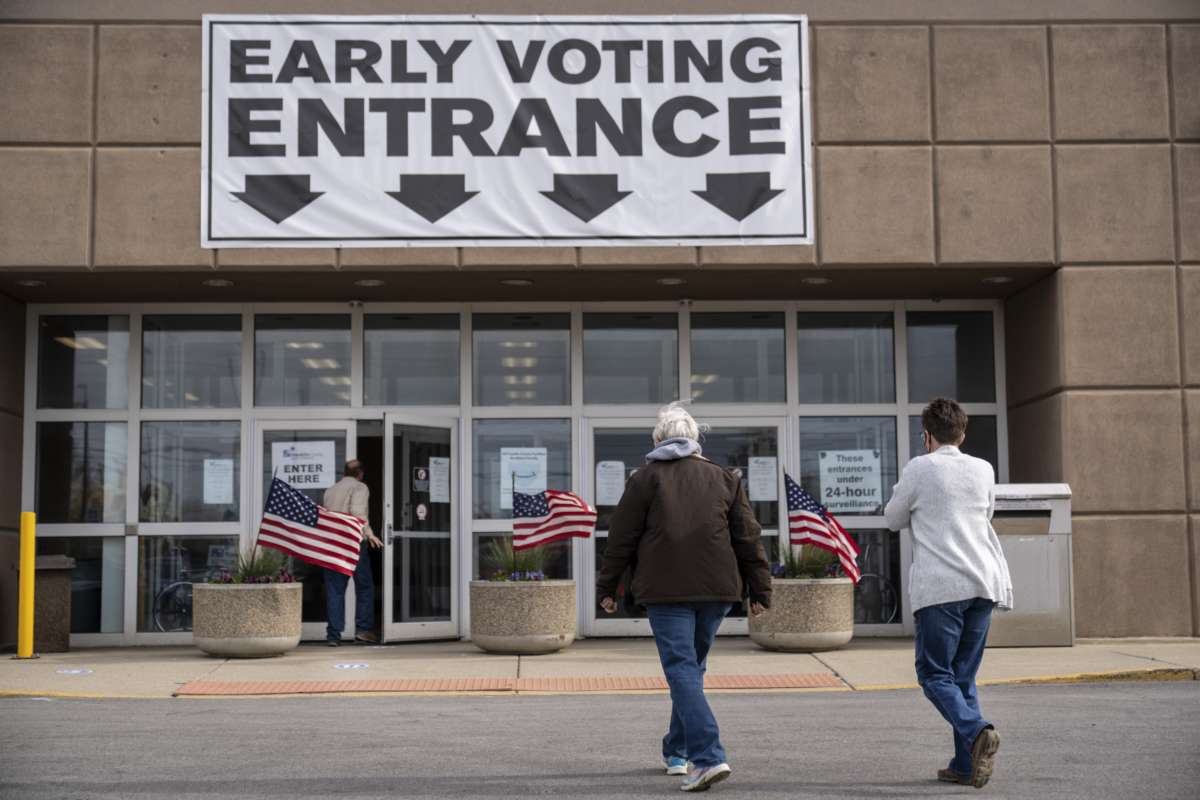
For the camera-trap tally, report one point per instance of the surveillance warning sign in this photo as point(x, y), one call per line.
point(402, 131)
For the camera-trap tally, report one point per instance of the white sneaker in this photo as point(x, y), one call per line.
point(676, 765)
point(699, 780)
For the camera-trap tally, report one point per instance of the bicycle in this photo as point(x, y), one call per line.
point(875, 590)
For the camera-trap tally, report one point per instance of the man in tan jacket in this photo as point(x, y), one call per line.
point(351, 496)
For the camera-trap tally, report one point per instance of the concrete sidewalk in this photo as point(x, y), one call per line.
point(612, 665)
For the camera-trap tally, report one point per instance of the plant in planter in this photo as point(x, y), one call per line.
point(252, 611)
point(812, 604)
point(515, 608)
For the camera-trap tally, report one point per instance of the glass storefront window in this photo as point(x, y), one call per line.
point(733, 448)
point(846, 357)
point(167, 568)
point(981, 442)
point(410, 359)
point(630, 358)
point(877, 596)
point(81, 471)
point(190, 471)
point(83, 362)
point(97, 582)
point(951, 354)
point(302, 360)
point(522, 359)
point(738, 357)
point(192, 361)
point(848, 463)
point(534, 452)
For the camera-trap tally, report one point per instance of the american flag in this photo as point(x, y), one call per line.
point(548, 517)
point(809, 522)
point(299, 527)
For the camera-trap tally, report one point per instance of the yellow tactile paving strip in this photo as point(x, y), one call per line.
point(797, 680)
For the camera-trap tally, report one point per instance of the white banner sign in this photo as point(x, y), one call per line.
point(851, 481)
point(304, 465)
point(375, 131)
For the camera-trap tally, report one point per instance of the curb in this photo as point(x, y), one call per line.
point(1112, 676)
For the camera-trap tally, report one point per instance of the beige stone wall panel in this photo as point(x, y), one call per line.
point(1035, 453)
point(44, 207)
point(991, 82)
point(1131, 576)
point(1110, 81)
point(995, 205)
point(46, 94)
point(550, 257)
point(148, 208)
point(758, 255)
point(1114, 203)
point(1189, 287)
point(148, 86)
point(258, 257)
point(1192, 406)
point(1033, 340)
point(400, 258)
point(1187, 177)
point(1120, 326)
point(1123, 450)
point(1185, 79)
point(875, 205)
point(872, 83)
point(633, 257)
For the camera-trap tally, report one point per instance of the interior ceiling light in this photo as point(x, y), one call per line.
point(516, 282)
point(815, 281)
point(369, 283)
point(670, 281)
point(217, 283)
point(31, 283)
point(997, 280)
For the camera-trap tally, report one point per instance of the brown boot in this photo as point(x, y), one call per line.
point(950, 776)
point(983, 757)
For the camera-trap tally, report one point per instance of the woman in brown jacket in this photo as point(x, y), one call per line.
point(686, 527)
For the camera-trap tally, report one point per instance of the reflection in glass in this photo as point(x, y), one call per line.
point(410, 359)
point(733, 448)
point(522, 359)
point(951, 354)
point(528, 442)
point(421, 522)
point(83, 362)
point(190, 471)
point(191, 361)
point(738, 357)
point(81, 471)
point(97, 581)
point(848, 463)
point(846, 357)
point(626, 447)
point(877, 596)
point(630, 358)
point(557, 565)
point(982, 440)
point(302, 360)
point(167, 568)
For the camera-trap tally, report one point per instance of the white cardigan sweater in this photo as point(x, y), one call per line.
point(947, 498)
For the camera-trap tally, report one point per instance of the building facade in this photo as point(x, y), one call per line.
point(1007, 211)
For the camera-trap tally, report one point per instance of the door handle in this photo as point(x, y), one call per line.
point(389, 535)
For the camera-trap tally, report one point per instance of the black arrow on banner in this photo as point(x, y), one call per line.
point(277, 197)
point(432, 196)
point(739, 194)
point(586, 196)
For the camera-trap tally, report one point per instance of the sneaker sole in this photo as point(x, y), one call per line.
point(983, 762)
point(705, 785)
point(677, 770)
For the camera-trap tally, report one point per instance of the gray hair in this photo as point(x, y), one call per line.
point(674, 422)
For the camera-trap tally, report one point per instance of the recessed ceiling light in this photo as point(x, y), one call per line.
point(217, 283)
point(369, 283)
point(671, 281)
point(815, 281)
point(515, 282)
point(997, 280)
point(31, 283)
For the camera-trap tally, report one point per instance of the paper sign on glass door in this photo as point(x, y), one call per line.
point(764, 479)
point(526, 466)
point(304, 465)
point(218, 481)
point(851, 481)
point(610, 482)
point(439, 479)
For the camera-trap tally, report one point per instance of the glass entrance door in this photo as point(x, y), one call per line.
point(617, 449)
point(420, 588)
point(309, 455)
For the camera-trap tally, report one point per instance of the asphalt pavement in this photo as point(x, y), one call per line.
point(1093, 741)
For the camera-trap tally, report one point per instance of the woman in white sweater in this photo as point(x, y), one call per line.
point(958, 577)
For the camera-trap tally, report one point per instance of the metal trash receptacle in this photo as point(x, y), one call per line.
point(1033, 523)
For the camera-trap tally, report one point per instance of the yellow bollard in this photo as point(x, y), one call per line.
point(25, 589)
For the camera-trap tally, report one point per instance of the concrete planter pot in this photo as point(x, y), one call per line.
point(246, 620)
point(524, 617)
point(806, 614)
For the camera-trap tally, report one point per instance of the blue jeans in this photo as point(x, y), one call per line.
point(950, 640)
point(364, 597)
point(684, 633)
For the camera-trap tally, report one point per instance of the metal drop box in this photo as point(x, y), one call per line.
point(1033, 522)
